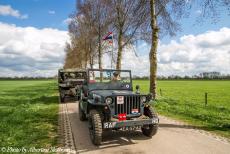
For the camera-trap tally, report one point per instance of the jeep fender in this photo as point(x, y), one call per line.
point(92, 105)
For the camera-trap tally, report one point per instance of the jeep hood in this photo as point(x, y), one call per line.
point(106, 93)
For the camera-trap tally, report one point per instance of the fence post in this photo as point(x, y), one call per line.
point(206, 99)
point(161, 92)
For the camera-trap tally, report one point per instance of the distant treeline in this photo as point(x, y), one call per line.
point(171, 77)
point(27, 78)
point(175, 77)
point(200, 76)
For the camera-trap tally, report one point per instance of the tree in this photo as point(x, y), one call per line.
point(129, 16)
point(78, 52)
point(98, 16)
point(86, 28)
point(164, 15)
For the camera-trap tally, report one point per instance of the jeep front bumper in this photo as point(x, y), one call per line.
point(130, 123)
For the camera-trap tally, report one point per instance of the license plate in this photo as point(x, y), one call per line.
point(131, 128)
point(120, 99)
point(109, 124)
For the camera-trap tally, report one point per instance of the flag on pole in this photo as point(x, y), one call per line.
point(109, 37)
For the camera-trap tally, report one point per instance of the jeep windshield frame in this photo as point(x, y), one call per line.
point(103, 79)
point(68, 75)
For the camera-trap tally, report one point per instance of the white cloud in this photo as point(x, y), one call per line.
point(209, 51)
point(31, 51)
point(7, 10)
point(51, 12)
point(67, 21)
point(192, 54)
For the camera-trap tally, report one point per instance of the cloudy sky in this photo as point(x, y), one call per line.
point(33, 34)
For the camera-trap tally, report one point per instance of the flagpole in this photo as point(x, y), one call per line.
point(108, 37)
point(112, 54)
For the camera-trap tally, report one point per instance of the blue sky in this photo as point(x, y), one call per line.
point(33, 36)
point(41, 13)
point(52, 13)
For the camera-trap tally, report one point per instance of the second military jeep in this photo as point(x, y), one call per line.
point(109, 102)
point(70, 82)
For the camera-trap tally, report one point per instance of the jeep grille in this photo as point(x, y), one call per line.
point(130, 102)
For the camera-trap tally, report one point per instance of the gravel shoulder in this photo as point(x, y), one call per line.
point(172, 137)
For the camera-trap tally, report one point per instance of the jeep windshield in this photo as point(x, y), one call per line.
point(109, 79)
point(73, 76)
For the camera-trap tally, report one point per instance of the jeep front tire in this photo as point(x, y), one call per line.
point(149, 130)
point(95, 127)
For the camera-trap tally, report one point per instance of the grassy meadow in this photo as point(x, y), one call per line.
point(28, 113)
point(185, 100)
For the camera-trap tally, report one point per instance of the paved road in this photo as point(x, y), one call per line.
point(172, 138)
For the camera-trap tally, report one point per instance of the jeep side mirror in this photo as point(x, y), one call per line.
point(137, 89)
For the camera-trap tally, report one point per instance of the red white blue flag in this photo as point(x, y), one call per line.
point(109, 37)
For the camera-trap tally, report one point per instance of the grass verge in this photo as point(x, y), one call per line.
point(28, 113)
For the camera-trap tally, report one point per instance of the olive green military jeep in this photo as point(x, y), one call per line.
point(70, 82)
point(109, 102)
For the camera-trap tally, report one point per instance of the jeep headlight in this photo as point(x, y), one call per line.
point(109, 100)
point(143, 99)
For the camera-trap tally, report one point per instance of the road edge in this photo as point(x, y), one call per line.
point(66, 138)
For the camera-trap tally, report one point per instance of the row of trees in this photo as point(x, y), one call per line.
point(186, 77)
point(27, 78)
point(130, 21)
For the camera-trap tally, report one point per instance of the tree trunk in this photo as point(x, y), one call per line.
point(86, 55)
point(153, 50)
point(100, 52)
point(119, 53)
point(99, 49)
point(90, 56)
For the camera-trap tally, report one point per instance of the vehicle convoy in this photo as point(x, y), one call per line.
point(109, 102)
point(70, 82)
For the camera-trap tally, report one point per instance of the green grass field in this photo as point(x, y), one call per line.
point(185, 100)
point(28, 113)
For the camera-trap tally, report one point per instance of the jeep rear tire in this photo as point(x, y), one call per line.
point(82, 115)
point(149, 130)
point(95, 127)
